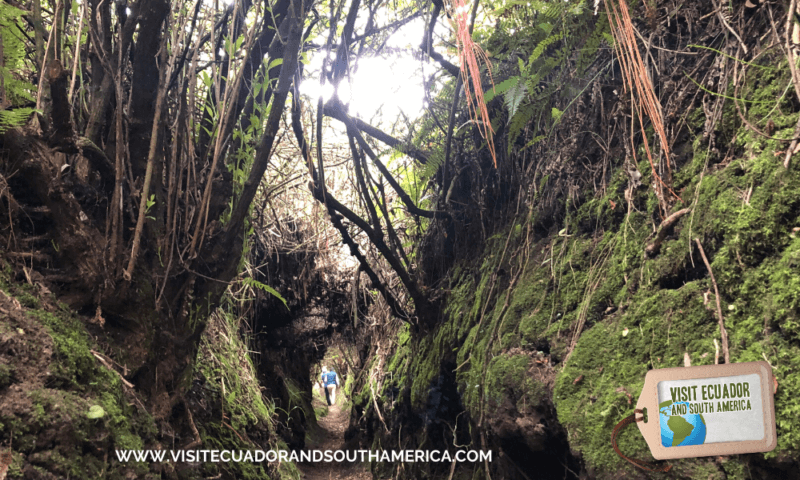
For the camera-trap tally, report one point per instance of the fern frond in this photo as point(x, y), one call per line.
point(17, 90)
point(540, 48)
point(252, 282)
point(14, 118)
point(519, 121)
point(500, 88)
point(550, 10)
point(514, 97)
point(435, 160)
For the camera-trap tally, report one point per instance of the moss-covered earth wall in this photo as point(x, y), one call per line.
point(546, 337)
point(66, 407)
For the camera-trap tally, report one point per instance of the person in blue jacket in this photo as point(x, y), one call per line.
point(329, 382)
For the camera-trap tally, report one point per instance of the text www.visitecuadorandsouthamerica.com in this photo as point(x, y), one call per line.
point(328, 456)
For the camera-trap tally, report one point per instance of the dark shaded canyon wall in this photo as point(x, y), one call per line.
point(547, 335)
point(291, 338)
point(544, 350)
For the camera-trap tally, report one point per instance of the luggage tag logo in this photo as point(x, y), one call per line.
point(707, 410)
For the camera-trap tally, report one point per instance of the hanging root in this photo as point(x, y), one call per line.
point(468, 54)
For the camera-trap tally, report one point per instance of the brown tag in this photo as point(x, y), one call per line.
point(708, 410)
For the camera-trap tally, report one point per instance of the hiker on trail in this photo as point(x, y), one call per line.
point(329, 382)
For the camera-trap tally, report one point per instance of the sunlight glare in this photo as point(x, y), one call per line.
point(379, 85)
point(313, 89)
point(386, 84)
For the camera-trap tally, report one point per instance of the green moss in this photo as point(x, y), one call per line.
point(513, 374)
point(6, 375)
point(50, 424)
point(75, 366)
point(229, 372)
point(744, 216)
point(28, 300)
point(594, 280)
point(591, 392)
point(122, 424)
point(231, 380)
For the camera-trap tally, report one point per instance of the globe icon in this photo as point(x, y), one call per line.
point(680, 430)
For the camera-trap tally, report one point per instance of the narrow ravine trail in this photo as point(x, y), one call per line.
point(330, 436)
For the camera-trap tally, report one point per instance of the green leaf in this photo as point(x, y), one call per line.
point(535, 140)
point(518, 122)
point(95, 411)
point(556, 114)
point(514, 97)
point(255, 122)
point(206, 79)
point(14, 118)
point(252, 282)
point(541, 46)
point(500, 88)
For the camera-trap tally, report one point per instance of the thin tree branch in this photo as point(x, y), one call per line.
point(317, 189)
point(178, 68)
point(427, 43)
point(365, 191)
point(273, 122)
point(148, 176)
point(652, 249)
point(415, 210)
point(395, 24)
point(450, 125)
point(338, 114)
point(722, 332)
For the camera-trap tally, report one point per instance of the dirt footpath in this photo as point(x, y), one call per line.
point(330, 436)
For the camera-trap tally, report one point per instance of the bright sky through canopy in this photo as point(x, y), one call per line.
point(382, 86)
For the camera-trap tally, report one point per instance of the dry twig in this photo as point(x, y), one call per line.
point(653, 248)
point(108, 365)
point(197, 440)
point(375, 403)
point(723, 334)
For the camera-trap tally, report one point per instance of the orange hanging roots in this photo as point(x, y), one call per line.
point(637, 81)
point(468, 55)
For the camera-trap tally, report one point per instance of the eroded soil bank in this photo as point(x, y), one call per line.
point(551, 323)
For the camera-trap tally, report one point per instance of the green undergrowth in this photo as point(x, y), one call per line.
point(51, 384)
point(321, 411)
point(247, 419)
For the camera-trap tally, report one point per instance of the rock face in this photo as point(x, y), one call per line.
point(540, 368)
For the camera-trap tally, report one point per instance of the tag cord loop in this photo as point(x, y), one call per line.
point(638, 463)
